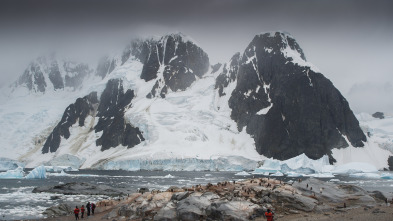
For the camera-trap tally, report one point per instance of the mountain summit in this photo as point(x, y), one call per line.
point(286, 105)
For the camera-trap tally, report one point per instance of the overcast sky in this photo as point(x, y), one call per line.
point(351, 42)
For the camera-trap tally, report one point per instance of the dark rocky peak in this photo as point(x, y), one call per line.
point(275, 43)
point(175, 61)
point(379, 115)
point(52, 73)
point(215, 67)
point(286, 106)
point(76, 112)
point(228, 74)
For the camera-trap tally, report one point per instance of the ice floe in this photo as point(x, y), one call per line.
point(243, 173)
point(12, 174)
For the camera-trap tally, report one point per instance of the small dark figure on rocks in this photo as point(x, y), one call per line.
point(93, 207)
point(82, 211)
point(88, 208)
point(269, 215)
point(76, 212)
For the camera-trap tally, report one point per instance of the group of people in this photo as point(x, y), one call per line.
point(89, 207)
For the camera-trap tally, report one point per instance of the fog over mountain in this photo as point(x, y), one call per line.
point(349, 41)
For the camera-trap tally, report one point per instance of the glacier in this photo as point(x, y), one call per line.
point(188, 164)
point(37, 173)
point(9, 164)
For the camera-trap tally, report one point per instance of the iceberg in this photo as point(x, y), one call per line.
point(387, 176)
point(8, 164)
point(354, 167)
point(303, 164)
point(12, 174)
point(243, 173)
point(322, 175)
point(58, 169)
point(269, 166)
point(300, 165)
point(278, 173)
point(293, 174)
point(37, 173)
point(366, 175)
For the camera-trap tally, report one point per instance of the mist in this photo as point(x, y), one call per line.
point(349, 41)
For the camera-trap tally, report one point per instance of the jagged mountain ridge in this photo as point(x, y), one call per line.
point(169, 70)
point(53, 73)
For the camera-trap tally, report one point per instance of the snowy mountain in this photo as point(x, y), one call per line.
point(52, 73)
point(160, 105)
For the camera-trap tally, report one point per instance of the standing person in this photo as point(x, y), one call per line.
point(88, 208)
point(76, 212)
point(93, 207)
point(82, 211)
point(269, 215)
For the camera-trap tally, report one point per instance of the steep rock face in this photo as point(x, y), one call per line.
point(76, 112)
point(285, 105)
point(174, 61)
point(177, 62)
point(115, 129)
point(111, 122)
point(228, 76)
point(50, 73)
point(390, 163)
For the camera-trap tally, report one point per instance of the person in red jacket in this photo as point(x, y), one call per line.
point(93, 207)
point(76, 212)
point(82, 211)
point(269, 215)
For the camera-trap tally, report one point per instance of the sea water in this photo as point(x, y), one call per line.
point(18, 202)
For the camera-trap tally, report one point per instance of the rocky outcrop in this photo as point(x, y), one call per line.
point(50, 72)
point(378, 115)
point(115, 130)
point(80, 188)
point(76, 112)
point(228, 75)
point(33, 78)
point(390, 163)
point(111, 122)
point(58, 210)
point(241, 200)
point(287, 106)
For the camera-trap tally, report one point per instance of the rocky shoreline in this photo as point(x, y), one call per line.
point(248, 200)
